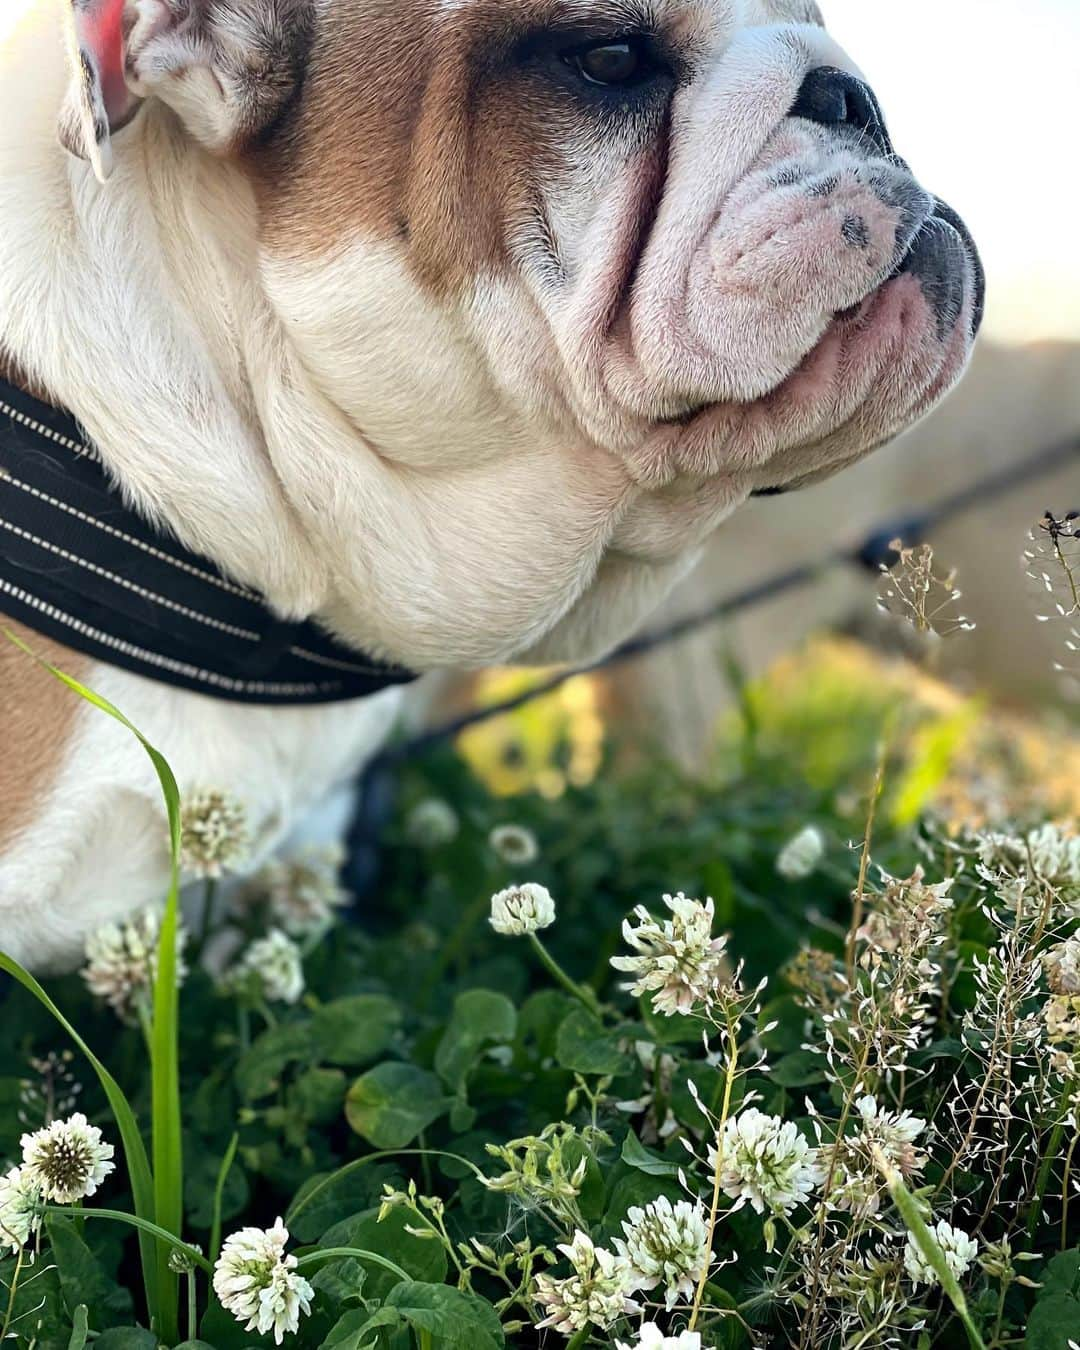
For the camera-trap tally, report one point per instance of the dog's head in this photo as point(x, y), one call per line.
point(669, 236)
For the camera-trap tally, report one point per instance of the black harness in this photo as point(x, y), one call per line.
point(80, 566)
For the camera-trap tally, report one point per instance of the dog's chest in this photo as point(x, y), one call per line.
point(96, 842)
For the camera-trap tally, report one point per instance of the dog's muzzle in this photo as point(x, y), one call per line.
point(943, 249)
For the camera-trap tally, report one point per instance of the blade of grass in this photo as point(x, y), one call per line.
point(138, 1165)
point(219, 1193)
point(167, 1181)
point(929, 1247)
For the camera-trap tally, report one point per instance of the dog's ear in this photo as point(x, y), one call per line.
point(229, 69)
point(99, 100)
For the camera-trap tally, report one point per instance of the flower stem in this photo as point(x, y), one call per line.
point(144, 1225)
point(13, 1289)
point(356, 1254)
point(581, 992)
point(714, 1209)
point(1052, 1149)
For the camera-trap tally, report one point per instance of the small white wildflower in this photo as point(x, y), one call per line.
point(213, 833)
point(522, 909)
point(650, 1337)
point(680, 963)
point(1051, 854)
point(121, 963)
point(959, 1251)
point(857, 1185)
point(1063, 967)
point(257, 1282)
point(303, 893)
point(20, 1208)
point(765, 1162)
point(799, 858)
point(274, 966)
point(432, 822)
point(67, 1159)
point(514, 845)
point(594, 1295)
point(665, 1245)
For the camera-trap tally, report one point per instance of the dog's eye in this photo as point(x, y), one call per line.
point(621, 62)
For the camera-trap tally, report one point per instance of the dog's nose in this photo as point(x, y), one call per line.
point(834, 98)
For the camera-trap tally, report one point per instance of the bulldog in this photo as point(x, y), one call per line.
point(455, 326)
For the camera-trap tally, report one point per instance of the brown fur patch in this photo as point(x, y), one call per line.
point(38, 716)
point(419, 129)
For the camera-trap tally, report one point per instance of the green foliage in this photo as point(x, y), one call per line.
point(438, 1115)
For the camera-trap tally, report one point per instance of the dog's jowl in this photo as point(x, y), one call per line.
point(454, 327)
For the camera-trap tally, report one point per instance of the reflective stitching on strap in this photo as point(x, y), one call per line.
point(142, 591)
point(253, 687)
point(157, 553)
point(77, 448)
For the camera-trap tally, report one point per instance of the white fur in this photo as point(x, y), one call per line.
point(442, 483)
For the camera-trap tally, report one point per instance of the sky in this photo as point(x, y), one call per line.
point(983, 99)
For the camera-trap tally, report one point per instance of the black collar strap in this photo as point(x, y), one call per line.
point(78, 565)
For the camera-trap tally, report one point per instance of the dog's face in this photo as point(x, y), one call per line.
point(668, 241)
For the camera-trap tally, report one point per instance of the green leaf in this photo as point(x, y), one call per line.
point(801, 1068)
point(352, 1331)
point(1054, 1321)
point(584, 1046)
point(390, 1104)
point(455, 1320)
point(422, 1258)
point(201, 1189)
point(357, 1030)
point(127, 1338)
point(258, 1071)
point(341, 1281)
point(82, 1279)
point(480, 1019)
point(1062, 1274)
point(636, 1155)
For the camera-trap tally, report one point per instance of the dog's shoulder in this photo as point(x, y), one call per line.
point(39, 719)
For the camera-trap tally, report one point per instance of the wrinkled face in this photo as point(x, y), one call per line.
point(676, 229)
point(553, 285)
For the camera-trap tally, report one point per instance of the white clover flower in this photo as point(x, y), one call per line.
point(67, 1159)
point(594, 1295)
point(1063, 967)
point(857, 1184)
point(213, 833)
point(303, 893)
point(680, 963)
point(650, 1337)
point(522, 909)
point(665, 1244)
point(799, 858)
point(20, 1208)
point(257, 1282)
point(765, 1162)
point(432, 822)
point(1051, 854)
point(514, 844)
point(959, 1251)
point(121, 963)
point(273, 965)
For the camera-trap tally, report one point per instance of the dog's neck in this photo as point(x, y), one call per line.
point(141, 306)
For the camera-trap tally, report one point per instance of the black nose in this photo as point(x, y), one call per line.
point(834, 98)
